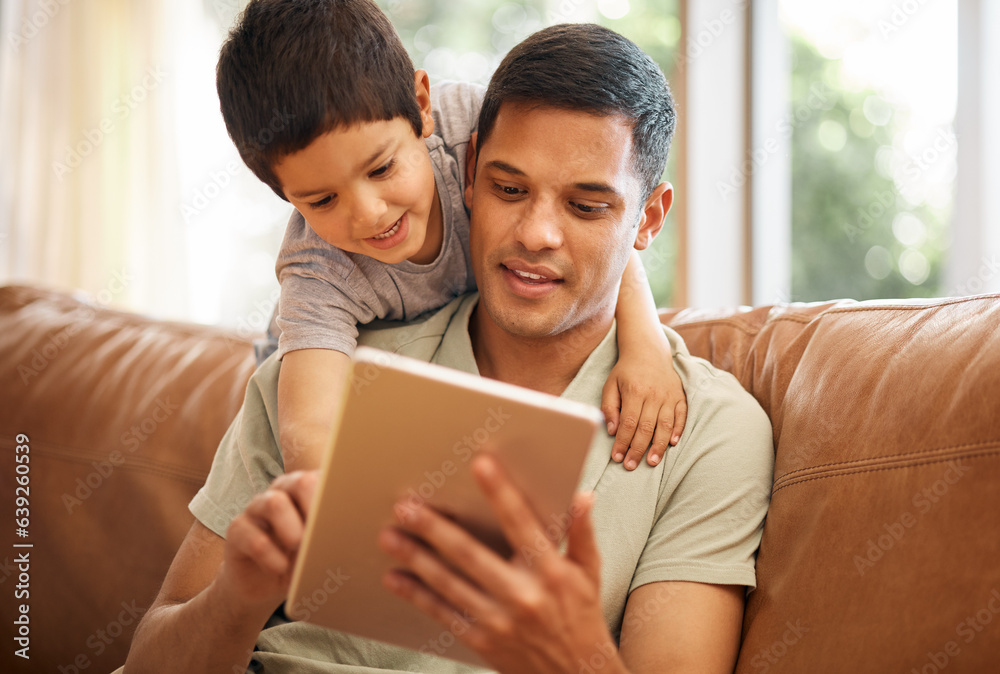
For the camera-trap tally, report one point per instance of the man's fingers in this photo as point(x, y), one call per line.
point(405, 586)
point(611, 403)
point(274, 512)
point(581, 544)
point(250, 540)
point(456, 546)
point(300, 485)
point(425, 564)
point(517, 519)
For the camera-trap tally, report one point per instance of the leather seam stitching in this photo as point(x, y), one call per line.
point(907, 307)
point(882, 468)
point(138, 464)
point(880, 459)
point(743, 326)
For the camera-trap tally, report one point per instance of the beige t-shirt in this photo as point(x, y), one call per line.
point(697, 516)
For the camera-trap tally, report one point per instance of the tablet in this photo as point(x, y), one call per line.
point(408, 429)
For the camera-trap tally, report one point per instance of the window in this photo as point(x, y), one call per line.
point(874, 93)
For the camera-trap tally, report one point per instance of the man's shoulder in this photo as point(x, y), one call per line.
point(419, 338)
point(718, 404)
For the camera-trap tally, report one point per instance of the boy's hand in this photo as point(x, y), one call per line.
point(644, 403)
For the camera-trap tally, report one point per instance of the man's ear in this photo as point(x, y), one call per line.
point(653, 214)
point(422, 89)
point(470, 169)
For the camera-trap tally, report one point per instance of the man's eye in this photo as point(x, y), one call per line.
point(382, 170)
point(590, 210)
point(321, 203)
point(509, 191)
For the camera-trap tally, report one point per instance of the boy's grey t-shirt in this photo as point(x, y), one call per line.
point(326, 292)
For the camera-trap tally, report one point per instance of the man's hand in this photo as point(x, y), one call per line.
point(540, 611)
point(262, 542)
point(219, 592)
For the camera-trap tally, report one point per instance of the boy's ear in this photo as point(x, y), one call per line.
point(470, 169)
point(422, 88)
point(653, 214)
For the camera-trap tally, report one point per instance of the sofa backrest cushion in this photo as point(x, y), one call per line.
point(881, 549)
point(123, 415)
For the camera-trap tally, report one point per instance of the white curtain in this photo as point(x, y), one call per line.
point(88, 176)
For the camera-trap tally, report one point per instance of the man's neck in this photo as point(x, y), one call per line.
point(546, 364)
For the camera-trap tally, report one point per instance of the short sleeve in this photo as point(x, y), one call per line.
point(713, 500)
point(248, 457)
point(324, 293)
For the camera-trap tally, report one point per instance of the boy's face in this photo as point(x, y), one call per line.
point(555, 207)
point(369, 188)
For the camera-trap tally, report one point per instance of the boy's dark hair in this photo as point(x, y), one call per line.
point(593, 69)
point(292, 70)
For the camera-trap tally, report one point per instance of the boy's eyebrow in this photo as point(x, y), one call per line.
point(602, 188)
point(374, 155)
point(302, 196)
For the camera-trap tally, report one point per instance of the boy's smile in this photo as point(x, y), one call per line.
point(369, 189)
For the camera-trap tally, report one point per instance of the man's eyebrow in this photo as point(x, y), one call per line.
point(602, 188)
point(505, 167)
point(302, 196)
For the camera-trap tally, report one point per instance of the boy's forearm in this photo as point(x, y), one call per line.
point(310, 386)
point(638, 322)
point(208, 633)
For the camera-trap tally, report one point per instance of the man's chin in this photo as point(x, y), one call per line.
point(527, 323)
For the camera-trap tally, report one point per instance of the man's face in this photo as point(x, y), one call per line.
point(554, 212)
point(367, 189)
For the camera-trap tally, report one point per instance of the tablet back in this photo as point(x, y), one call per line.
point(408, 429)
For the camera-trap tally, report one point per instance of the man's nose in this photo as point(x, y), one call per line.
point(540, 227)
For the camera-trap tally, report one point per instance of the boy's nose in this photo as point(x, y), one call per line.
point(366, 211)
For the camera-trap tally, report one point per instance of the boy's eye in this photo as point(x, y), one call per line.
point(321, 203)
point(382, 170)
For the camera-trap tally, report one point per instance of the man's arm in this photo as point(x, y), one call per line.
point(682, 627)
point(219, 593)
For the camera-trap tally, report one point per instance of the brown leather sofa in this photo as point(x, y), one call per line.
point(881, 550)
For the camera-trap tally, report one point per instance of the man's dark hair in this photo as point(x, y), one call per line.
point(593, 69)
point(292, 70)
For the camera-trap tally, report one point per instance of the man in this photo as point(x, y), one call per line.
point(572, 141)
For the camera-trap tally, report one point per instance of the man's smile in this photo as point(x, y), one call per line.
point(528, 280)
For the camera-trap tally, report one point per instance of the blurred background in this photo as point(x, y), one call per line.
point(824, 150)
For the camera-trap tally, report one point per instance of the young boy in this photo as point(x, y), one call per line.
point(324, 106)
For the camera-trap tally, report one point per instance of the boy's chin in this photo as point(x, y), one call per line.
point(395, 255)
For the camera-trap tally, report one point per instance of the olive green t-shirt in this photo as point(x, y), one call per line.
point(697, 516)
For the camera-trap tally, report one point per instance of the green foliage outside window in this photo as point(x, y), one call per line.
point(859, 229)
